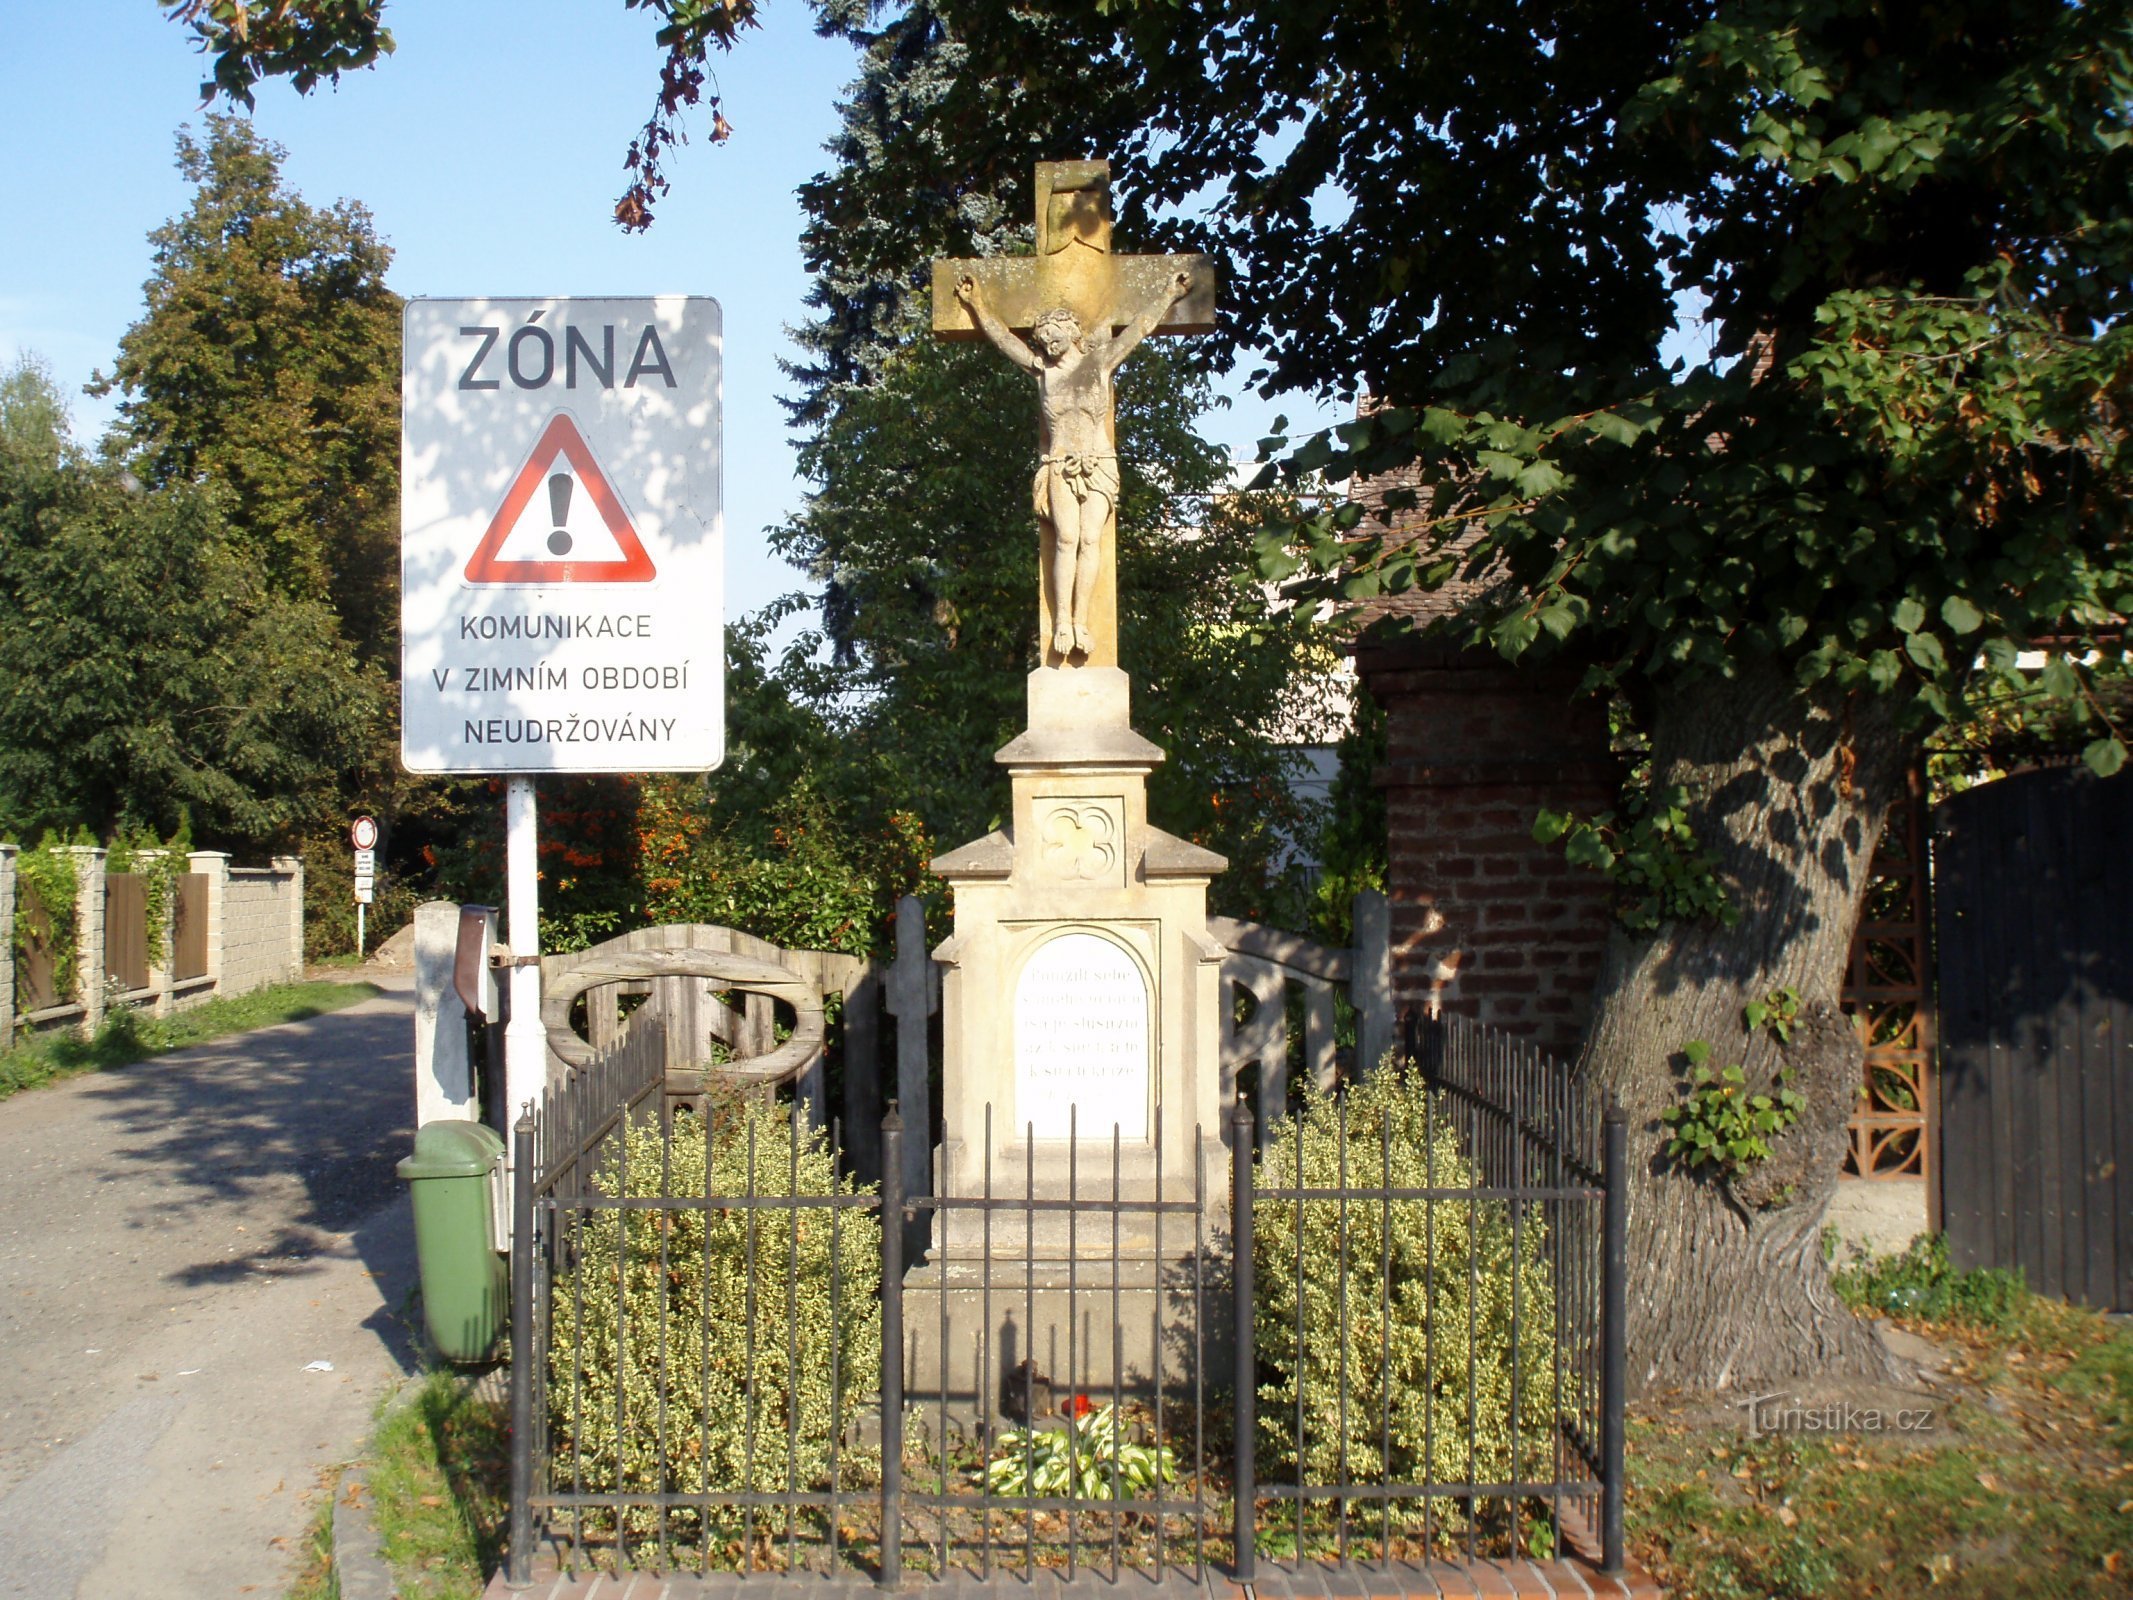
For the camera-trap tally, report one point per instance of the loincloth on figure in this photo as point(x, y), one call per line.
point(1082, 475)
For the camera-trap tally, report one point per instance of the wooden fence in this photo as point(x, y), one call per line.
point(228, 930)
point(2033, 893)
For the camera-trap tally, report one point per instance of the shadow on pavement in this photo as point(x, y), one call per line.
point(302, 1124)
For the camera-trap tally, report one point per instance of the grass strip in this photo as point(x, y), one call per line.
point(129, 1035)
point(315, 1578)
point(2022, 1484)
point(439, 1476)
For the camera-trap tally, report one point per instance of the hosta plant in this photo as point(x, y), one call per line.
point(1088, 1457)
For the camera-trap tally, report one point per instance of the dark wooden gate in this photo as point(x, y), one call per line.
point(189, 927)
point(126, 929)
point(2033, 890)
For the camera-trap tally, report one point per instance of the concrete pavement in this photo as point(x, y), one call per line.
point(179, 1242)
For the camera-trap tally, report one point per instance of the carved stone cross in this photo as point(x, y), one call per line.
point(1114, 301)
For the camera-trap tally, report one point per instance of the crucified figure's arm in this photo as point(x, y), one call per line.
point(1003, 339)
point(1141, 326)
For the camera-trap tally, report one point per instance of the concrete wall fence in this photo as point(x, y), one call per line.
point(229, 930)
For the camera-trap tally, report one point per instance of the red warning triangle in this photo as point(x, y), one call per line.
point(561, 442)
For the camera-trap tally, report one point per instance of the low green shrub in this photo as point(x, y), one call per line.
point(1924, 1284)
point(683, 1315)
point(1386, 1375)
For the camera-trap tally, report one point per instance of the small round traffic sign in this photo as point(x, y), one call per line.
point(365, 833)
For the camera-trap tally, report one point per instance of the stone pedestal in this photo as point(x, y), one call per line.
point(1081, 1030)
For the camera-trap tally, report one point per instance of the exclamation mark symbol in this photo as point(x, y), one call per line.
point(559, 512)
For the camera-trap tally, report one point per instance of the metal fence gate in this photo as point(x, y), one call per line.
point(725, 1366)
point(2033, 889)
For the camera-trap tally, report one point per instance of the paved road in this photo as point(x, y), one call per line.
point(179, 1240)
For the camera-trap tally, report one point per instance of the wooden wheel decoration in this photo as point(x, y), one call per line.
point(743, 972)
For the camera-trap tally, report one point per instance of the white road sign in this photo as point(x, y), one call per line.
point(561, 543)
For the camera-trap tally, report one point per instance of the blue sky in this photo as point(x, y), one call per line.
point(489, 151)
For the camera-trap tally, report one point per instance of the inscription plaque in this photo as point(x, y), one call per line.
point(1081, 1038)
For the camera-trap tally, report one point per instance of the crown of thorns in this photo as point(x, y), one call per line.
point(1059, 317)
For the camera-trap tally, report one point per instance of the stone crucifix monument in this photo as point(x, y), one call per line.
point(1080, 989)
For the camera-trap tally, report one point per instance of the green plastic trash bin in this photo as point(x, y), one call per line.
point(466, 1282)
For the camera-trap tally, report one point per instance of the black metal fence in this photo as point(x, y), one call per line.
point(1398, 1339)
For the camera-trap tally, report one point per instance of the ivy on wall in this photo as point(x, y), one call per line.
point(51, 876)
point(158, 863)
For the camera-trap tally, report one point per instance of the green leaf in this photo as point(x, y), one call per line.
point(1613, 427)
point(2104, 756)
point(1960, 615)
point(1276, 565)
point(1925, 649)
point(1698, 1051)
point(1445, 427)
point(1908, 614)
point(1514, 634)
point(1541, 478)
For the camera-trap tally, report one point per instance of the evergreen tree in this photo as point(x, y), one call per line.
point(268, 361)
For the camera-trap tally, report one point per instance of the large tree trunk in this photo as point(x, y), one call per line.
point(1728, 1287)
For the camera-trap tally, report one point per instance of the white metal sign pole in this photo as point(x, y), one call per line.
point(525, 1040)
point(363, 834)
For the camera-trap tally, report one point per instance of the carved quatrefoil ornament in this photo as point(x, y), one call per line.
point(1080, 841)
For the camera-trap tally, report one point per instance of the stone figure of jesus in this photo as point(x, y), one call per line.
point(1076, 486)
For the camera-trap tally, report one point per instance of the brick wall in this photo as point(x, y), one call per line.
point(1484, 920)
